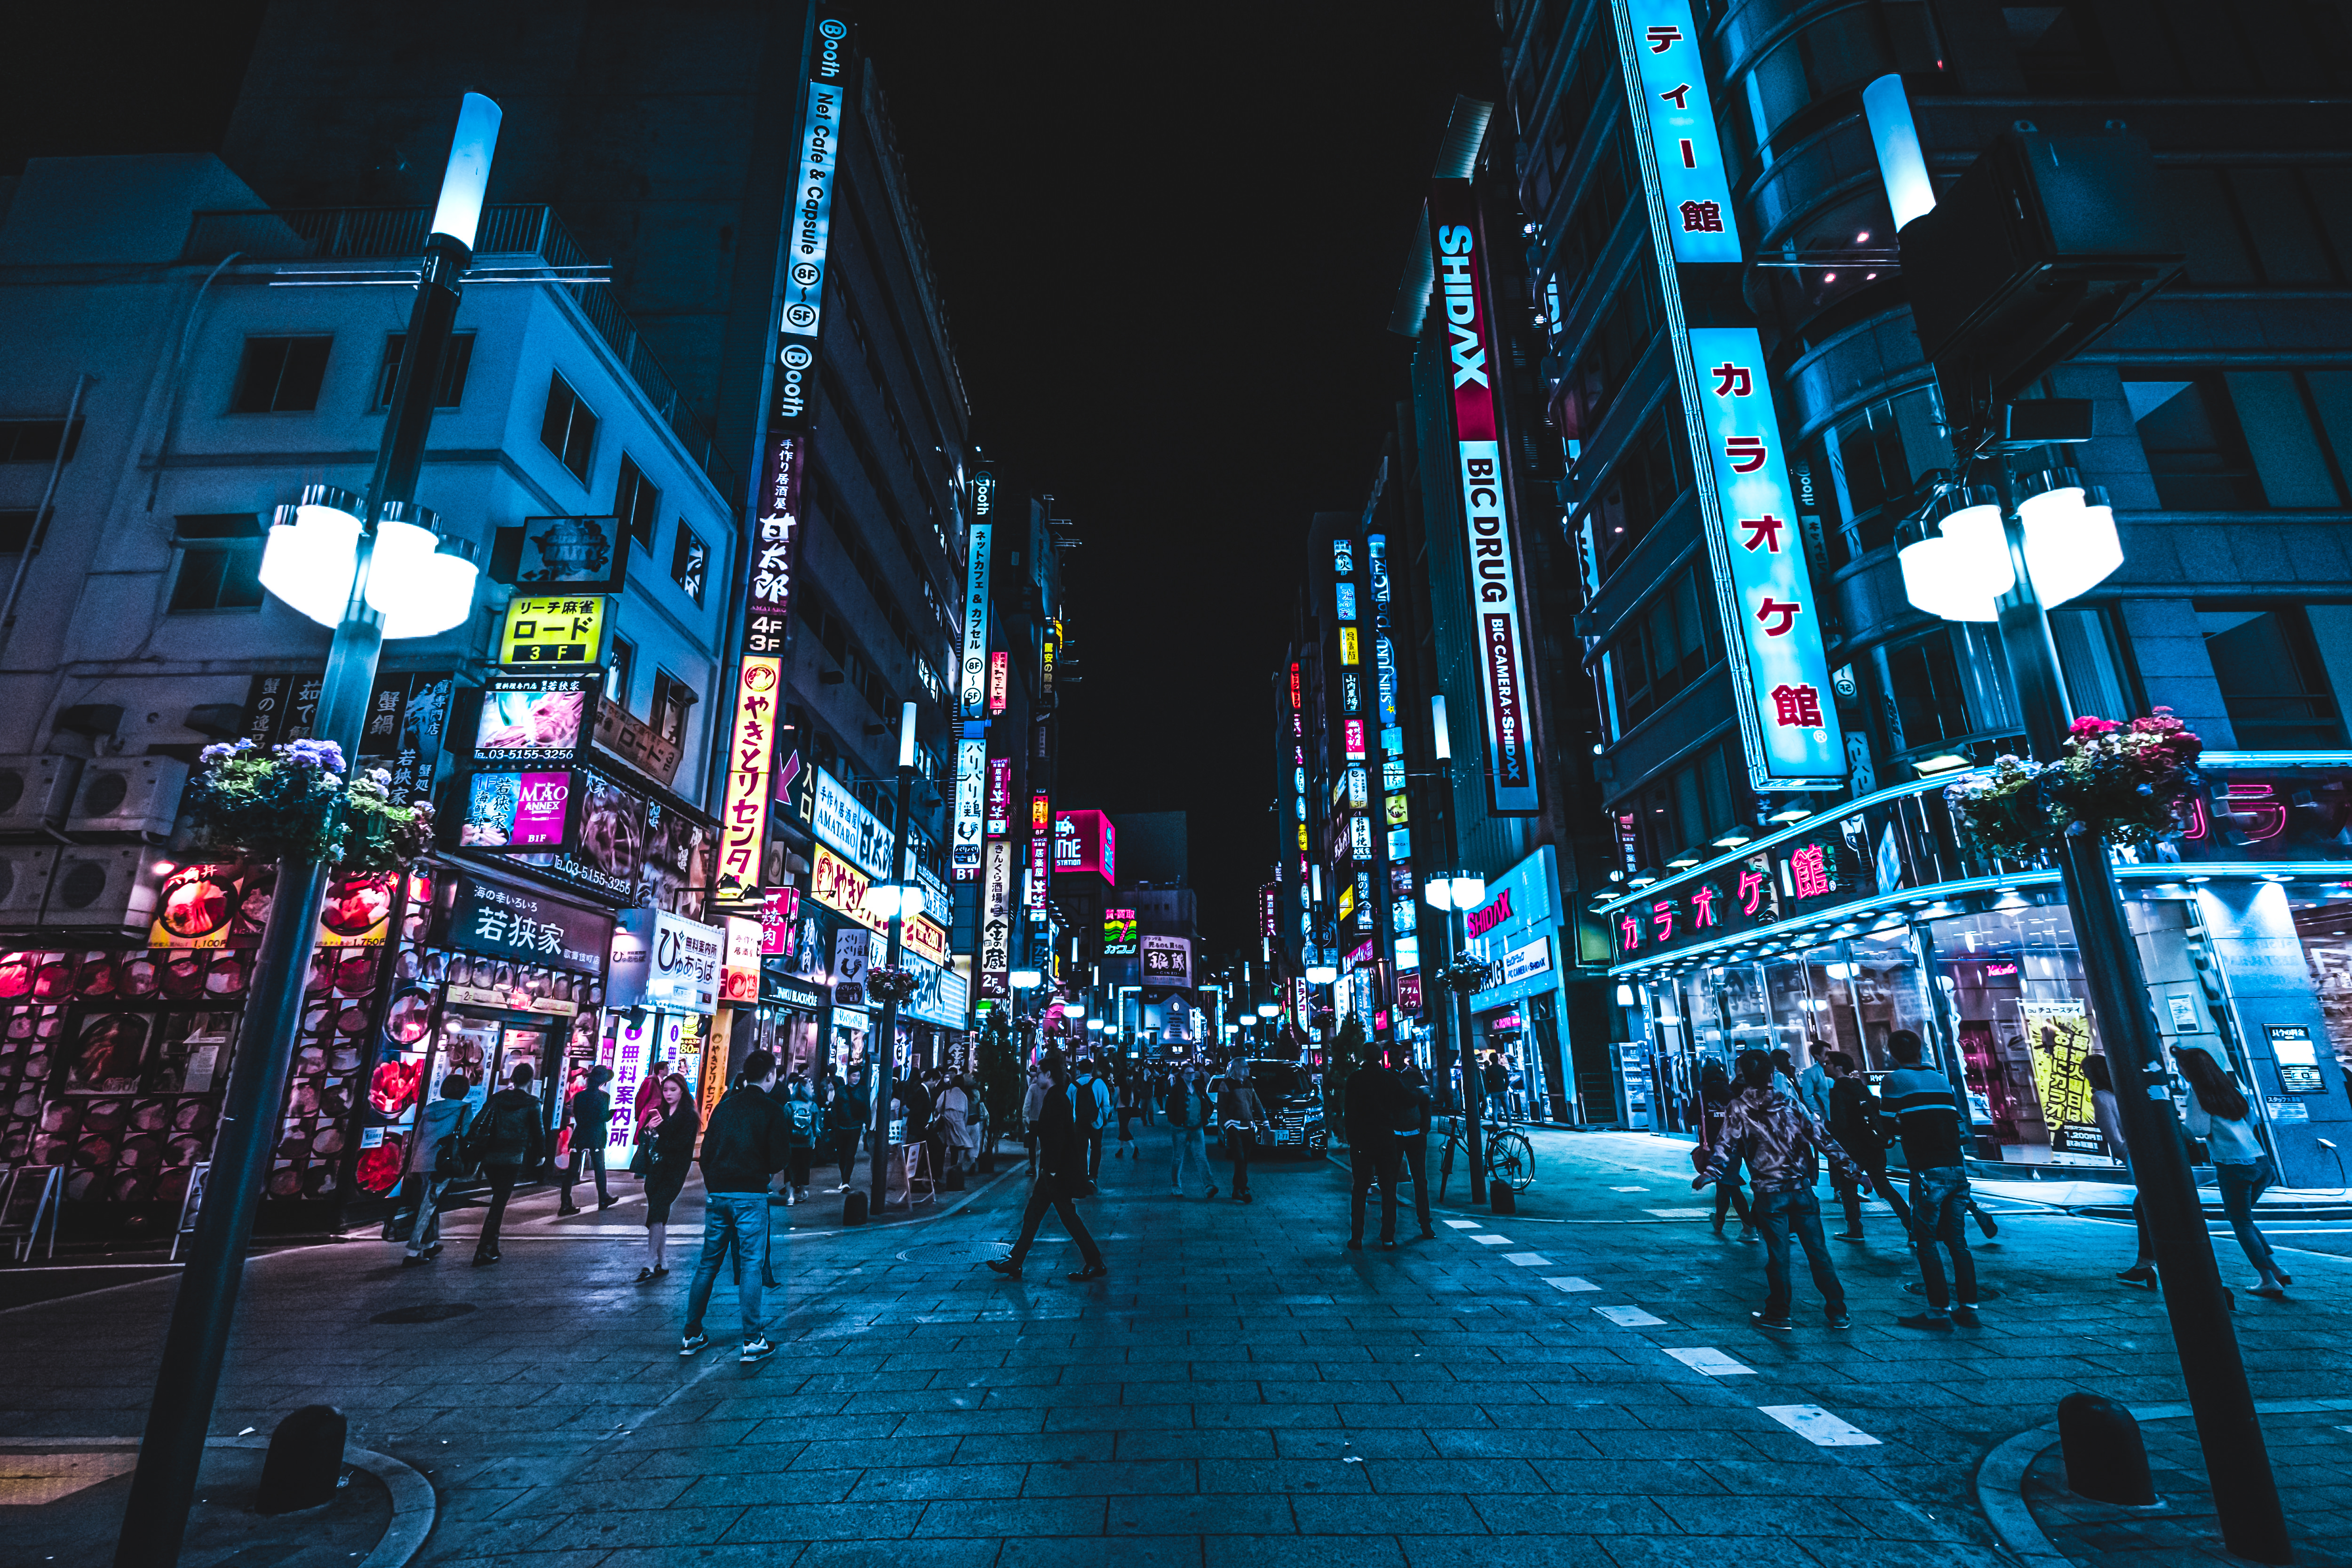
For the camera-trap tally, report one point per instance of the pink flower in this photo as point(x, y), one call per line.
point(2089, 729)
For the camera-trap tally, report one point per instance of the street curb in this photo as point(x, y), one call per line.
point(414, 1507)
point(2000, 1475)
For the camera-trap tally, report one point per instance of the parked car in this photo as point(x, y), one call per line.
point(1294, 1106)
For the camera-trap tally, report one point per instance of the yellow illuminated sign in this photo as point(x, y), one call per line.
point(838, 885)
point(1346, 645)
point(744, 820)
point(558, 629)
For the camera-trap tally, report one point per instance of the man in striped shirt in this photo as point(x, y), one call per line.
point(1919, 1101)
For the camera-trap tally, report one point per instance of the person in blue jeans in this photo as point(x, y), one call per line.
point(1187, 1119)
point(2219, 1114)
point(1919, 1101)
point(1778, 1138)
point(747, 1143)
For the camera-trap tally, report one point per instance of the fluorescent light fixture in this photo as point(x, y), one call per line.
point(1469, 891)
point(1942, 762)
point(1645, 876)
point(1443, 742)
point(1025, 979)
point(1094, 1023)
point(906, 735)
point(1795, 811)
point(312, 552)
point(2071, 544)
point(1267, 1009)
point(1683, 860)
point(1902, 167)
point(466, 178)
point(1737, 834)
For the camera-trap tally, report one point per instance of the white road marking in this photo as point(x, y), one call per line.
point(1569, 1282)
point(1819, 1428)
point(1628, 1317)
point(1527, 1259)
point(1462, 1225)
point(1492, 1240)
point(1682, 1214)
point(1710, 1361)
point(1629, 1189)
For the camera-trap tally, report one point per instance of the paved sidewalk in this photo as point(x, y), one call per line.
point(1580, 1378)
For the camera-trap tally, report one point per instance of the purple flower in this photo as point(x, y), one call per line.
point(324, 754)
point(226, 750)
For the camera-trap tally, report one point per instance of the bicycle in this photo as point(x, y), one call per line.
point(1510, 1158)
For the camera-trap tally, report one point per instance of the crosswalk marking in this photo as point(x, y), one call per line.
point(1818, 1427)
point(1492, 1240)
point(1569, 1282)
point(1462, 1225)
point(1629, 1189)
point(1628, 1317)
point(1681, 1213)
point(1710, 1361)
point(1527, 1259)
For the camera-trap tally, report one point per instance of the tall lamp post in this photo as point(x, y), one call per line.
point(1445, 893)
point(2011, 551)
point(372, 568)
point(900, 900)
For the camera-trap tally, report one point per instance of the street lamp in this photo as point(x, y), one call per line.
point(370, 567)
point(1025, 979)
point(1460, 891)
point(905, 902)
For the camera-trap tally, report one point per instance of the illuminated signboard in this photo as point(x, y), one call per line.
point(569, 629)
point(1669, 79)
point(996, 921)
point(1168, 961)
point(743, 819)
point(1491, 571)
point(740, 979)
point(1041, 847)
point(808, 229)
point(1085, 841)
point(999, 796)
point(971, 805)
point(541, 721)
point(1000, 682)
point(1050, 650)
point(841, 819)
point(1118, 933)
point(516, 812)
point(1351, 734)
point(1788, 713)
point(779, 907)
point(1347, 645)
point(975, 622)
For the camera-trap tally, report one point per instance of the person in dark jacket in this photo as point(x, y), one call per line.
point(665, 1157)
point(861, 1123)
point(747, 1144)
point(1063, 1124)
point(1376, 1105)
point(1413, 1144)
point(591, 1127)
point(506, 1139)
point(1853, 1121)
point(1713, 1102)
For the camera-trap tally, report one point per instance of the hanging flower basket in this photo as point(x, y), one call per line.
point(887, 984)
point(2123, 783)
point(1465, 973)
point(291, 804)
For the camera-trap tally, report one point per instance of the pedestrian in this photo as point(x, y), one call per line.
point(1154, 1088)
point(506, 1140)
point(1376, 1105)
point(747, 1144)
point(665, 1157)
point(1033, 1106)
point(2109, 1117)
point(1130, 1102)
point(1243, 1116)
point(1413, 1143)
point(1853, 1121)
point(591, 1127)
point(955, 1122)
point(1919, 1103)
point(833, 1121)
point(1098, 1090)
point(1188, 1121)
point(1715, 1094)
point(1813, 1083)
point(1497, 1080)
point(1778, 1138)
point(437, 1158)
point(2219, 1114)
point(861, 1106)
point(1061, 1171)
point(804, 1124)
point(1785, 1066)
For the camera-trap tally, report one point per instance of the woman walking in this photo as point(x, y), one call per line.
point(2110, 1118)
point(954, 1108)
point(1188, 1121)
point(1854, 1121)
point(1714, 1096)
point(1130, 1106)
point(2218, 1114)
point(436, 1161)
point(664, 1157)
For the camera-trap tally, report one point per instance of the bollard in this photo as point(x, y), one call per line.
point(1500, 1198)
point(2105, 1459)
point(852, 1209)
point(306, 1460)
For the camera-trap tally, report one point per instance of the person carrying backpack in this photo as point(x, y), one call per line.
point(506, 1140)
point(804, 1121)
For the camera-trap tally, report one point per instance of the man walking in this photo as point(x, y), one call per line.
point(746, 1144)
point(1776, 1137)
point(1033, 1106)
point(1243, 1115)
point(1094, 1115)
point(507, 1139)
point(1413, 1143)
point(1376, 1105)
point(1188, 1121)
point(1918, 1101)
point(1061, 1171)
point(592, 1124)
point(1853, 1121)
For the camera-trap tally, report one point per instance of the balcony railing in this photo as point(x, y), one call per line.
point(336, 234)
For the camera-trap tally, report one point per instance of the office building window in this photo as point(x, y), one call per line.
point(636, 501)
point(16, 530)
point(2274, 684)
point(620, 673)
point(2196, 449)
point(220, 563)
point(36, 440)
point(456, 359)
point(673, 700)
point(690, 562)
point(569, 430)
point(1665, 646)
point(280, 375)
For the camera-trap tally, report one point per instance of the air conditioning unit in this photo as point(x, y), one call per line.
point(25, 871)
point(109, 886)
point(128, 794)
point(35, 791)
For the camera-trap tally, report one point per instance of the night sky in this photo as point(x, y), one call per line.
point(1168, 259)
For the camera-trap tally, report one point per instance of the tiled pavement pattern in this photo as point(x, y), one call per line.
point(1240, 1389)
point(2311, 1455)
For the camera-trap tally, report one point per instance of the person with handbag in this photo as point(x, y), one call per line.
point(591, 1126)
point(438, 1159)
point(1061, 1127)
point(664, 1156)
point(505, 1141)
point(1239, 1107)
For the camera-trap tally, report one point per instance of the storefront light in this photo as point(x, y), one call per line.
point(1737, 834)
point(1644, 878)
point(1624, 994)
point(1319, 974)
point(1941, 763)
point(1025, 979)
point(1267, 1009)
point(1683, 860)
point(1795, 811)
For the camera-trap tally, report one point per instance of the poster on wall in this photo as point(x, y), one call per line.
point(2058, 1041)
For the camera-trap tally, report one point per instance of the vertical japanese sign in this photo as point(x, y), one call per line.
point(975, 621)
point(999, 796)
point(996, 922)
point(1041, 847)
point(1491, 571)
point(1672, 77)
point(1000, 682)
point(970, 803)
point(1787, 705)
point(808, 227)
